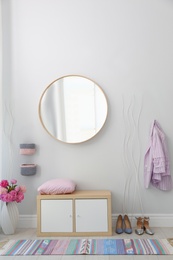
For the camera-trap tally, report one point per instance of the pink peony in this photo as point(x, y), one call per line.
point(13, 194)
point(3, 190)
point(19, 197)
point(17, 188)
point(13, 181)
point(4, 183)
point(23, 188)
point(6, 197)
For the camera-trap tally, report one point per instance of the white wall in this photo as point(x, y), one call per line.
point(126, 47)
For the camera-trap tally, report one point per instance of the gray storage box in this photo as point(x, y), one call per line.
point(28, 169)
point(27, 149)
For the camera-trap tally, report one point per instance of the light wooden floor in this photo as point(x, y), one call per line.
point(31, 234)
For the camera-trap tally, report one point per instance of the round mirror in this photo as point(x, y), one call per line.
point(73, 109)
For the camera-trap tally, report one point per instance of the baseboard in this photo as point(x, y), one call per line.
point(156, 220)
point(27, 221)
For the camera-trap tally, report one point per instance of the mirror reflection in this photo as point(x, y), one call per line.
point(73, 109)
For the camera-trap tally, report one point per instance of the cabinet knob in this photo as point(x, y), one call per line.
point(70, 216)
point(78, 216)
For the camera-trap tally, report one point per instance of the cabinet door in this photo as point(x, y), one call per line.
point(56, 216)
point(91, 215)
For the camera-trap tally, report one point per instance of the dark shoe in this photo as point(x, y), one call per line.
point(140, 226)
point(146, 226)
point(127, 225)
point(119, 225)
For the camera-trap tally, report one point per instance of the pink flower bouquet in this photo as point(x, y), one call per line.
point(9, 191)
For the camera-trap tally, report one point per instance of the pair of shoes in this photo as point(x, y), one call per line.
point(143, 225)
point(123, 225)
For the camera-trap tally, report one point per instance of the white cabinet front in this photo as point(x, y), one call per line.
point(91, 215)
point(56, 216)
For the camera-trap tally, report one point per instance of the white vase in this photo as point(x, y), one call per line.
point(9, 217)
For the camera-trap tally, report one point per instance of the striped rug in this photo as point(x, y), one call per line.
point(87, 246)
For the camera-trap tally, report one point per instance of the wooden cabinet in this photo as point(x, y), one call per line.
point(81, 213)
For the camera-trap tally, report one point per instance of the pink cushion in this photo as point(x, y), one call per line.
point(57, 186)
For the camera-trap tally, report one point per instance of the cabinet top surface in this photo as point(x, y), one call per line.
point(79, 194)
